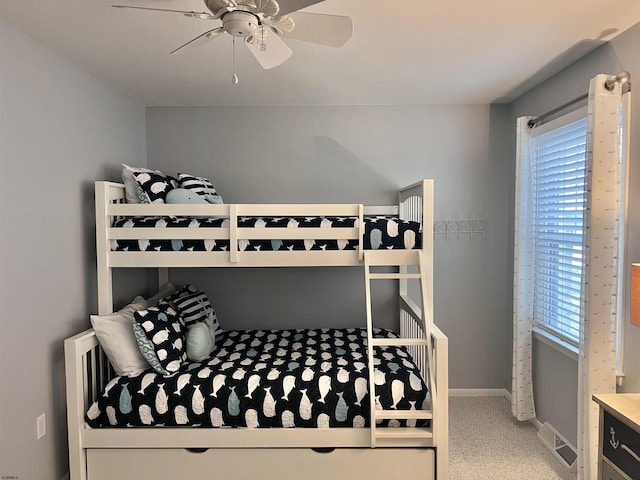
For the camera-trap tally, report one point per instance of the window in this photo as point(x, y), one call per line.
point(558, 161)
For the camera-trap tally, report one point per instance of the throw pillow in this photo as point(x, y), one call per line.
point(165, 329)
point(199, 185)
point(194, 306)
point(182, 195)
point(130, 186)
point(152, 187)
point(200, 342)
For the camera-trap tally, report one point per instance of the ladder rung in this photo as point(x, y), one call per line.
point(398, 342)
point(403, 414)
point(403, 432)
point(383, 276)
point(392, 257)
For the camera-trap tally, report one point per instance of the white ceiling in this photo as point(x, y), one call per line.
point(401, 52)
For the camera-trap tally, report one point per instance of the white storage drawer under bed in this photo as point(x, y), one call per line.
point(264, 463)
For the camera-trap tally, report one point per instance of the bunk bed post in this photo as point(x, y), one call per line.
point(233, 233)
point(427, 242)
point(371, 382)
point(361, 232)
point(75, 408)
point(440, 341)
point(419, 208)
point(441, 418)
point(104, 274)
point(163, 277)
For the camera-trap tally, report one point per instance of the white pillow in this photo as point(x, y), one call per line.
point(115, 334)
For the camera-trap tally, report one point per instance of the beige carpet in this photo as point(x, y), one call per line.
point(486, 443)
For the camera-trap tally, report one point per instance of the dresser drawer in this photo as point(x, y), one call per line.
point(610, 473)
point(619, 444)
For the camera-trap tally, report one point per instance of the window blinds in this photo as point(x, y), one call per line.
point(559, 160)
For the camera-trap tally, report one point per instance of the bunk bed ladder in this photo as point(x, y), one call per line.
point(402, 266)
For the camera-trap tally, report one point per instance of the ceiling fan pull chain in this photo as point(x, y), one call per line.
point(262, 46)
point(234, 79)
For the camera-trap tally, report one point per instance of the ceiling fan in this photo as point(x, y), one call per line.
point(261, 23)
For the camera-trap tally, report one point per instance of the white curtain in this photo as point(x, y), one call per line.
point(604, 222)
point(522, 406)
point(603, 226)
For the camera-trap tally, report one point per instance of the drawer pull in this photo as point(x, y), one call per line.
point(630, 452)
point(196, 450)
point(323, 449)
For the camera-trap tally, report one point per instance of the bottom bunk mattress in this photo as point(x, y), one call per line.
point(270, 378)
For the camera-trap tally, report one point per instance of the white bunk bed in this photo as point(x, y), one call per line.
point(283, 453)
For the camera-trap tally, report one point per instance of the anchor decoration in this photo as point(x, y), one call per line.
point(612, 441)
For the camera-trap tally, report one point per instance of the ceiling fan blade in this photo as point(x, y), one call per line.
point(270, 51)
point(329, 30)
point(188, 13)
point(288, 6)
point(201, 39)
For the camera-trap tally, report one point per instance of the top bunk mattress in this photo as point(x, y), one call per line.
point(380, 232)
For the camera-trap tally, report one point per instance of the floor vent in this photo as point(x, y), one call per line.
point(559, 446)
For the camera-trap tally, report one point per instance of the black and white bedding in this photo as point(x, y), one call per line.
point(381, 232)
point(269, 378)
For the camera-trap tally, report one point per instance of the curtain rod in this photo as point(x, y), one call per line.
point(536, 122)
point(623, 78)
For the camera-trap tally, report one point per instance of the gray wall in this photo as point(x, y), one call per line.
point(355, 154)
point(60, 129)
point(558, 402)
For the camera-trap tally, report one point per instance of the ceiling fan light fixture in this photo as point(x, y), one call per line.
point(239, 23)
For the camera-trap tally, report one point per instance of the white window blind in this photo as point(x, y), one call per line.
point(558, 155)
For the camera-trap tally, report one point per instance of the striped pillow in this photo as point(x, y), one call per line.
point(193, 306)
point(200, 186)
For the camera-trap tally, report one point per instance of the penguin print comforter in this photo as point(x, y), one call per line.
point(269, 378)
point(381, 232)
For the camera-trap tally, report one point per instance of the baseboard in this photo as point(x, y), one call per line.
point(536, 423)
point(479, 392)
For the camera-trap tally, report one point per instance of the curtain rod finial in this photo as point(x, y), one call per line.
point(623, 78)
